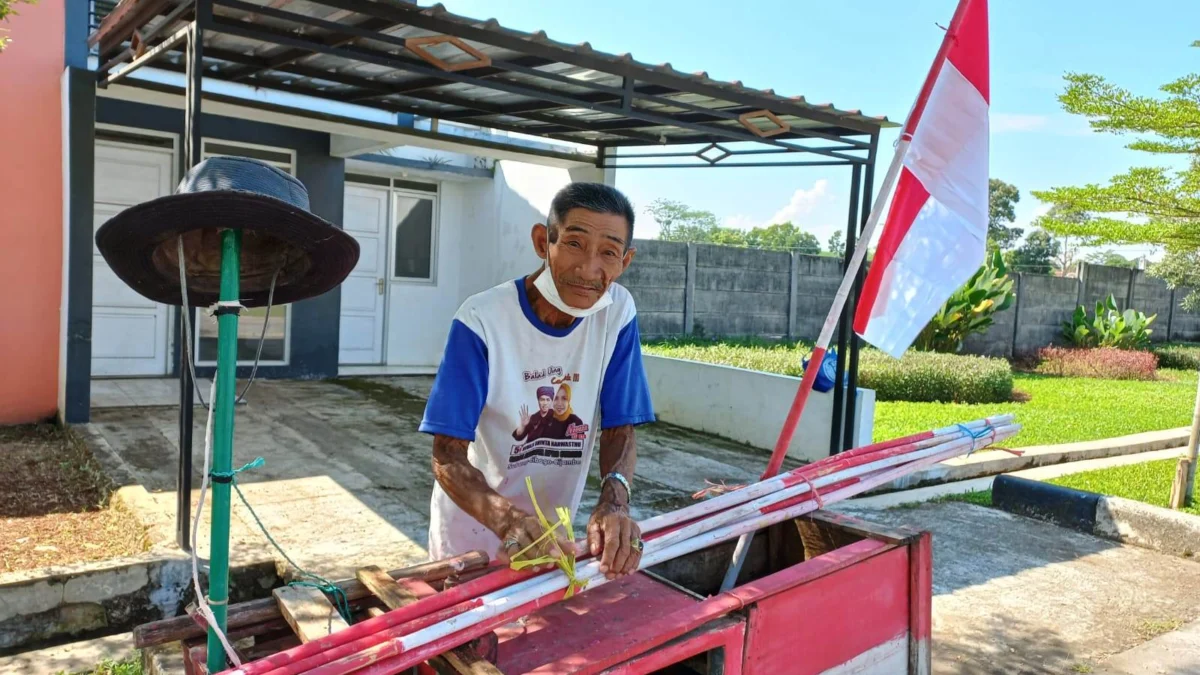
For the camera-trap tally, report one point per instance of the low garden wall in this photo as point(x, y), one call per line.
point(714, 291)
point(747, 405)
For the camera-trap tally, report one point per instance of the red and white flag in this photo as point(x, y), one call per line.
point(935, 234)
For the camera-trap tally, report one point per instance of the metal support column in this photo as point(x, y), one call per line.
point(844, 322)
point(851, 421)
point(191, 157)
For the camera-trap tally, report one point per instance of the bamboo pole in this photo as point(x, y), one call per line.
point(485, 609)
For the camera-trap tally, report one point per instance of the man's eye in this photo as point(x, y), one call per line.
point(573, 243)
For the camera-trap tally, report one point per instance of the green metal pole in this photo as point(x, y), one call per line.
point(227, 328)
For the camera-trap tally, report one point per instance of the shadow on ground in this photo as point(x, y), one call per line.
point(347, 478)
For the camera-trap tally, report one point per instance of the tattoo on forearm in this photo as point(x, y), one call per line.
point(467, 487)
point(618, 452)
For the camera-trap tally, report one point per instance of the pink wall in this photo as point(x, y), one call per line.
point(31, 211)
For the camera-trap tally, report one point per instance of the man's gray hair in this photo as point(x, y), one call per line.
point(594, 197)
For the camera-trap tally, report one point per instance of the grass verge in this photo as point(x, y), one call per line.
point(1148, 482)
point(54, 503)
point(1059, 409)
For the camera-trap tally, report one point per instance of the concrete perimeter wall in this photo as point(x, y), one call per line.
point(710, 290)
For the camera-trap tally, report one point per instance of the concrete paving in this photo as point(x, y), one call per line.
point(1173, 653)
point(1016, 596)
point(347, 478)
point(71, 658)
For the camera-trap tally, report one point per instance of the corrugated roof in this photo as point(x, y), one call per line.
point(401, 57)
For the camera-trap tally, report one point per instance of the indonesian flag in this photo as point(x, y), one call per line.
point(934, 236)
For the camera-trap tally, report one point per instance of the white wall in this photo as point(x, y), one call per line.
point(747, 405)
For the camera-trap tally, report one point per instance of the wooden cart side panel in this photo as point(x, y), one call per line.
point(920, 594)
point(730, 638)
point(815, 627)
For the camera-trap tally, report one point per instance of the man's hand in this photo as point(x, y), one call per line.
point(612, 534)
point(522, 530)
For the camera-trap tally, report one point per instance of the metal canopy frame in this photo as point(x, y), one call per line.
point(398, 57)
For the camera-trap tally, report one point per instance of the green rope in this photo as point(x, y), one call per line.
point(307, 578)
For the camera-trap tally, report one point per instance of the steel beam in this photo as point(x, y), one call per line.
point(386, 60)
point(852, 303)
point(418, 17)
point(844, 322)
point(166, 46)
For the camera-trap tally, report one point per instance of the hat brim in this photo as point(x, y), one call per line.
point(307, 255)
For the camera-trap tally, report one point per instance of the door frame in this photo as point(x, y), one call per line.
point(386, 242)
point(391, 174)
point(173, 153)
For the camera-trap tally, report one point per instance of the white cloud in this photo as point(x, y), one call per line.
point(1014, 122)
point(802, 203)
point(740, 221)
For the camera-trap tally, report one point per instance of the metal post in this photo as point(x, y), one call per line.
point(227, 327)
point(191, 157)
point(844, 327)
point(852, 304)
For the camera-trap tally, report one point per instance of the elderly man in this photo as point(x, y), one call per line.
point(566, 330)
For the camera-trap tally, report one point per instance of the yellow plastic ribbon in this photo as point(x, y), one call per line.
point(565, 561)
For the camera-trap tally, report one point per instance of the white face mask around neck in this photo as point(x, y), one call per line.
point(549, 290)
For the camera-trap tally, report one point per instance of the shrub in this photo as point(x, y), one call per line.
point(1104, 362)
point(930, 377)
point(1180, 356)
point(1109, 327)
point(918, 376)
point(970, 309)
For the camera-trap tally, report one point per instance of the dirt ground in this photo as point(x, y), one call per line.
point(54, 506)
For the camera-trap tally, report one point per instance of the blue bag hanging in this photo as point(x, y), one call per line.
point(827, 373)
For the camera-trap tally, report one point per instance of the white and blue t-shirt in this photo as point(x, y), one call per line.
point(502, 361)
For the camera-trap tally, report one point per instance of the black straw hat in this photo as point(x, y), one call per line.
point(279, 234)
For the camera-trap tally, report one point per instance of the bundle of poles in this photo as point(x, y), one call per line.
point(404, 637)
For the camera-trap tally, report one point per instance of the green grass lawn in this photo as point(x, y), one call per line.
point(1060, 409)
point(1149, 482)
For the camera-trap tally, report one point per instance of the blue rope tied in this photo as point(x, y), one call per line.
point(305, 578)
point(986, 431)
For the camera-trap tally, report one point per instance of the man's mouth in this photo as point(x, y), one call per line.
point(583, 288)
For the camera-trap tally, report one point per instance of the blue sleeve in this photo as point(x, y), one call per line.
point(625, 394)
point(460, 388)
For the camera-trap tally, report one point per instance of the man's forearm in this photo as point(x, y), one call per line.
point(618, 454)
point(467, 487)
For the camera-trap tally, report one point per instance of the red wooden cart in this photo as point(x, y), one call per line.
point(823, 595)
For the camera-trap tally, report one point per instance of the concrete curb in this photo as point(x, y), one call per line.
point(1114, 518)
point(994, 462)
point(54, 605)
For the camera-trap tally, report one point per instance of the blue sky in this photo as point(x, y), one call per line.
point(872, 55)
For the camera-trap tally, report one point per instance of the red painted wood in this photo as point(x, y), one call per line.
point(551, 639)
point(323, 658)
point(920, 592)
point(372, 628)
point(810, 628)
point(731, 637)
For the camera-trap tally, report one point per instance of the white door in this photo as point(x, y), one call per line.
point(130, 334)
point(361, 333)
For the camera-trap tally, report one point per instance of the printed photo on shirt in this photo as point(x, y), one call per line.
point(552, 433)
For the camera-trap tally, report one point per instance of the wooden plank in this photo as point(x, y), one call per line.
point(308, 612)
point(460, 661)
point(257, 611)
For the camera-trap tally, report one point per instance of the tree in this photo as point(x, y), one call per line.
point(1002, 209)
point(679, 222)
point(1069, 244)
point(1036, 255)
point(6, 10)
point(1145, 205)
point(1111, 258)
point(837, 245)
point(784, 237)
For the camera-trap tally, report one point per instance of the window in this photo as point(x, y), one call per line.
point(413, 237)
point(276, 344)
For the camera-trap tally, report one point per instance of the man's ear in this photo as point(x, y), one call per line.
point(628, 258)
point(541, 240)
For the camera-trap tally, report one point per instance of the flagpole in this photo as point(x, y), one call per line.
point(843, 293)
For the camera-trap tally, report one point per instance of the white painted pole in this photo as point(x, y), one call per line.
point(1193, 447)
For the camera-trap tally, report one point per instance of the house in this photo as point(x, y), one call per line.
point(436, 140)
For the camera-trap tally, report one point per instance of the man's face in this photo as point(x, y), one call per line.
point(591, 251)
point(544, 404)
point(560, 401)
